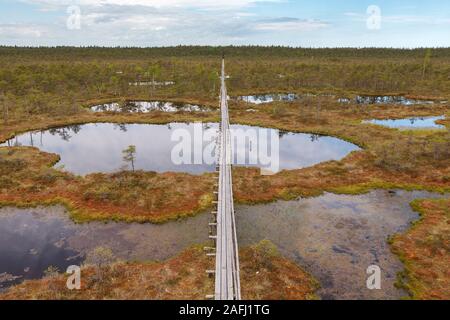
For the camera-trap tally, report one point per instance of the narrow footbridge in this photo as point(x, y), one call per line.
point(223, 226)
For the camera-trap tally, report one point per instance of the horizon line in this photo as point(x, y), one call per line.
point(215, 46)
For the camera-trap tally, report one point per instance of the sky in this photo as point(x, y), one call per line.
point(296, 23)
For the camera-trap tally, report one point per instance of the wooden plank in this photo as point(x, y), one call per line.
point(227, 282)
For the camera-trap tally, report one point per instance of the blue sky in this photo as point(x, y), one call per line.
point(326, 23)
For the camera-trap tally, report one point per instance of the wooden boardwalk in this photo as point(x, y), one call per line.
point(227, 283)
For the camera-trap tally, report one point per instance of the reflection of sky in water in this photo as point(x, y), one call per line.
point(428, 122)
point(336, 237)
point(267, 98)
point(390, 100)
point(98, 147)
point(148, 106)
point(299, 151)
point(31, 240)
point(28, 246)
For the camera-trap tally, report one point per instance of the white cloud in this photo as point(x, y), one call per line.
point(290, 24)
point(201, 4)
point(416, 19)
point(127, 22)
point(163, 22)
point(21, 31)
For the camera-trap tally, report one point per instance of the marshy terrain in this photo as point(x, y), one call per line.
point(364, 171)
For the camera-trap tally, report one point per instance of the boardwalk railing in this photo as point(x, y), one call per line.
point(227, 283)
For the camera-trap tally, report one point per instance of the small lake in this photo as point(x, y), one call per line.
point(31, 240)
point(98, 147)
point(360, 99)
point(148, 106)
point(334, 237)
point(402, 100)
point(268, 98)
point(410, 123)
point(286, 97)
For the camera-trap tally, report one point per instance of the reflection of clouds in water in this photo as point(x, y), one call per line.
point(298, 151)
point(425, 122)
point(98, 147)
point(390, 100)
point(268, 98)
point(148, 106)
point(336, 237)
point(29, 243)
point(33, 239)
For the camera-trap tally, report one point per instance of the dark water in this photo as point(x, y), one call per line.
point(98, 147)
point(29, 245)
point(413, 123)
point(148, 106)
point(386, 100)
point(31, 240)
point(334, 237)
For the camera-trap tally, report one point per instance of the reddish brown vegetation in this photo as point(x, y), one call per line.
point(425, 250)
point(264, 276)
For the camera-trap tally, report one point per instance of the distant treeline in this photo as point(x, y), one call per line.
point(209, 51)
point(58, 80)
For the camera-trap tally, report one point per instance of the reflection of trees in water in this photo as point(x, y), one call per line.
point(288, 97)
point(121, 126)
point(64, 133)
point(386, 99)
point(104, 107)
point(13, 142)
point(281, 133)
point(262, 98)
point(206, 126)
point(179, 106)
point(129, 106)
point(146, 106)
point(314, 137)
point(75, 128)
point(159, 105)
